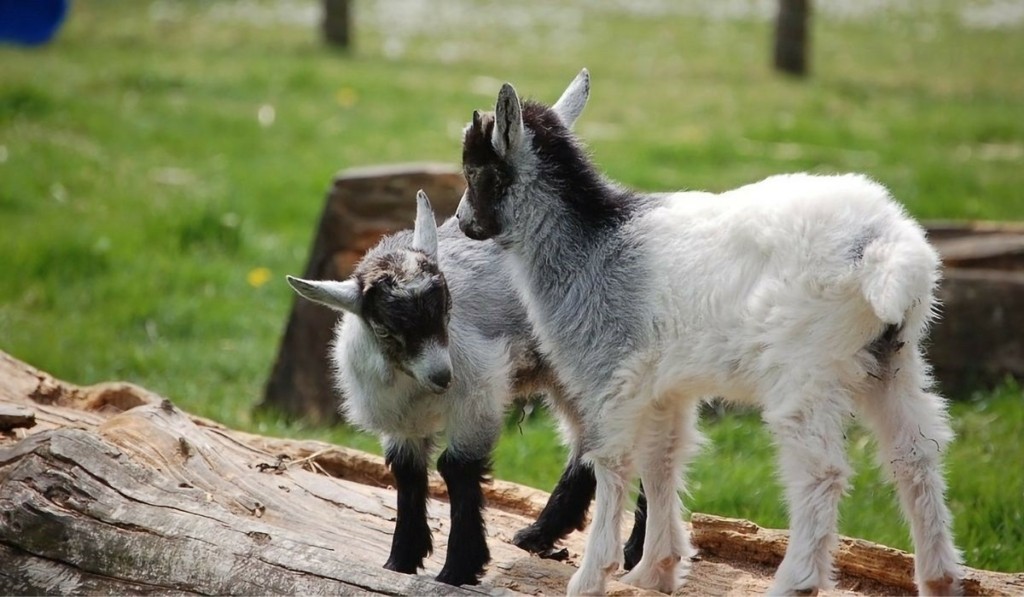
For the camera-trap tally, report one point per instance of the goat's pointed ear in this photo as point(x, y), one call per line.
point(340, 296)
point(508, 122)
point(424, 235)
point(478, 121)
point(574, 99)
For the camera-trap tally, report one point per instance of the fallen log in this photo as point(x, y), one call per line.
point(116, 490)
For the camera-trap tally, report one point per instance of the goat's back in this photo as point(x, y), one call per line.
point(794, 269)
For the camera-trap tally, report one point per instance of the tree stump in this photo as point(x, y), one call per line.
point(979, 339)
point(116, 490)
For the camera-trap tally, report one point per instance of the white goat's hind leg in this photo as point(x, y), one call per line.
point(814, 471)
point(669, 440)
point(912, 432)
point(604, 545)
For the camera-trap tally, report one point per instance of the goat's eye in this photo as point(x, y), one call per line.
point(381, 331)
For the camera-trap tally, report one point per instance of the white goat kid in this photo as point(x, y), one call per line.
point(808, 296)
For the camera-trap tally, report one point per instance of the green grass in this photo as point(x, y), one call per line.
point(141, 199)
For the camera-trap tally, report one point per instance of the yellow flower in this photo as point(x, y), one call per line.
point(258, 276)
point(346, 97)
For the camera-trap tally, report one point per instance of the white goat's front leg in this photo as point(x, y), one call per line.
point(668, 440)
point(604, 545)
point(808, 428)
point(912, 432)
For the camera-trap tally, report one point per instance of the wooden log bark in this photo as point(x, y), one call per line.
point(15, 417)
point(72, 497)
point(855, 558)
point(115, 490)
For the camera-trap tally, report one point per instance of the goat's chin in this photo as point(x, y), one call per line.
point(435, 388)
point(428, 385)
point(475, 233)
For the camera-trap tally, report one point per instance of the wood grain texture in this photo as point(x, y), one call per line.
point(115, 490)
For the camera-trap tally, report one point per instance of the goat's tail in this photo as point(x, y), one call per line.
point(900, 272)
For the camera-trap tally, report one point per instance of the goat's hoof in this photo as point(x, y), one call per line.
point(665, 575)
point(455, 577)
point(403, 567)
point(798, 579)
point(776, 591)
point(947, 585)
point(578, 585)
point(632, 554)
point(639, 577)
point(533, 540)
point(558, 555)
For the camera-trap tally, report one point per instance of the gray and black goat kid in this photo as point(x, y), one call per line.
point(433, 343)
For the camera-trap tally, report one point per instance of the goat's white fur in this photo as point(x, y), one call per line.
point(755, 299)
point(381, 399)
point(769, 295)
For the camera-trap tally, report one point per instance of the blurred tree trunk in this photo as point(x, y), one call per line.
point(791, 38)
point(337, 23)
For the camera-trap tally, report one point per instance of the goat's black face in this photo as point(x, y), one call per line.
point(407, 305)
point(487, 179)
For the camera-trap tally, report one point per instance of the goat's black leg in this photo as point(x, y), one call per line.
point(634, 549)
point(565, 512)
point(411, 541)
point(467, 541)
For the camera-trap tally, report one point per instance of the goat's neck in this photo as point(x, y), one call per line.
point(552, 232)
point(571, 266)
point(547, 233)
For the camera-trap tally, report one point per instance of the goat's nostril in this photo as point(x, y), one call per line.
point(441, 379)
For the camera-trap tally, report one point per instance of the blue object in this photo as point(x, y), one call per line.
point(31, 22)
